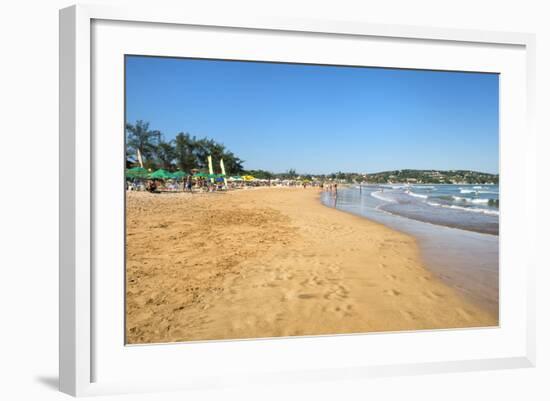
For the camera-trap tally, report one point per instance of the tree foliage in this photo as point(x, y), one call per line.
point(166, 154)
point(140, 137)
point(185, 152)
point(261, 174)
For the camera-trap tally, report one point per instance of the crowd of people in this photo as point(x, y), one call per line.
point(202, 184)
point(187, 184)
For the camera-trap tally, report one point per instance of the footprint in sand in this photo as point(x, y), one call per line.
point(432, 295)
point(464, 313)
point(408, 315)
point(330, 295)
point(307, 296)
point(312, 281)
point(344, 310)
point(391, 277)
point(333, 268)
point(318, 281)
point(392, 292)
point(340, 293)
point(284, 277)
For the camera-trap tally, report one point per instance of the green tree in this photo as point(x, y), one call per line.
point(214, 149)
point(140, 138)
point(233, 165)
point(185, 152)
point(201, 151)
point(166, 153)
point(261, 174)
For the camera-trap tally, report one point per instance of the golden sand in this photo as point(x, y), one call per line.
point(274, 262)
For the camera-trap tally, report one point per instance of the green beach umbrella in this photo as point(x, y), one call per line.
point(160, 174)
point(179, 174)
point(136, 172)
point(200, 175)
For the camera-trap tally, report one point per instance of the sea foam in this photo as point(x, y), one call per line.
point(473, 209)
point(417, 195)
point(378, 195)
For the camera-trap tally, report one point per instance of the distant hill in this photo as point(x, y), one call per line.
point(388, 177)
point(433, 177)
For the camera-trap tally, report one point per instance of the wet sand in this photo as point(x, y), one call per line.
point(275, 262)
point(465, 260)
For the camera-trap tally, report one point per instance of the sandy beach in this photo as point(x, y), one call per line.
point(274, 262)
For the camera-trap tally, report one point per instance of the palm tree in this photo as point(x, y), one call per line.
point(141, 140)
point(201, 151)
point(214, 149)
point(166, 153)
point(187, 151)
point(233, 164)
point(184, 151)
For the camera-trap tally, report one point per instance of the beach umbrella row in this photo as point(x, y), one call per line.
point(179, 174)
point(161, 174)
point(137, 172)
point(242, 178)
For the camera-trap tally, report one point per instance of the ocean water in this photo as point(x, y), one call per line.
point(456, 227)
point(470, 207)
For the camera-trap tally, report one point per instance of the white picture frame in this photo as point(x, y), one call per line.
point(79, 341)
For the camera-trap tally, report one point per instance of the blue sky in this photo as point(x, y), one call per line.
point(321, 119)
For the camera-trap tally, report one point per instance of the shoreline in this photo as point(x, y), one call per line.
point(450, 226)
point(275, 262)
point(444, 249)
